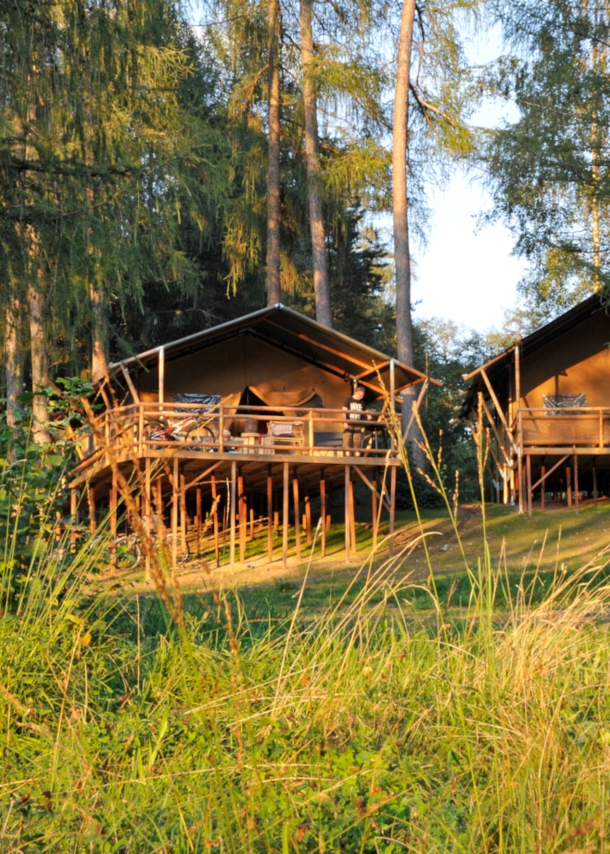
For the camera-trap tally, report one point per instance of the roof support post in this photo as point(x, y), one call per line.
point(518, 373)
point(161, 375)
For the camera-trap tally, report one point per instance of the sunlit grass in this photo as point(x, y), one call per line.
point(394, 711)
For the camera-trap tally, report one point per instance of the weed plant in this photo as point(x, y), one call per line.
point(369, 728)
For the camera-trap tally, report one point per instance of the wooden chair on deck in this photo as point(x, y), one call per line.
point(286, 432)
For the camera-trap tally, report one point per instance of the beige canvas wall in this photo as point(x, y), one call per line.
point(578, 362)
point(228, 368)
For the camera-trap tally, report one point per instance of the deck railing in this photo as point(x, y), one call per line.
point(151, 427)
point(587, 426)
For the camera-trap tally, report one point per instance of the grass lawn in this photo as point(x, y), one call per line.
point(520, 547)
point(359, 713)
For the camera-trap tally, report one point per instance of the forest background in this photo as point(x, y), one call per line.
point(164, 168)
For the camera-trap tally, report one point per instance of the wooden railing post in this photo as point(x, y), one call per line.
point(310, 432)
point(221, 429)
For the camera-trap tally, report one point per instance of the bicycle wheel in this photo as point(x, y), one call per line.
point(200, 438)
point(182, 550)
point(128, 553)
point(155, 432)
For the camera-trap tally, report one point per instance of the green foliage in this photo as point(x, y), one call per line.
point(372, 727)
point(103, 154)
point(549, 168)
point(34, 500)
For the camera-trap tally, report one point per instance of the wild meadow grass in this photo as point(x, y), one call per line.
point(373, 725)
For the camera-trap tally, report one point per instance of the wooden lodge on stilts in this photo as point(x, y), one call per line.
point(546, 404)
point(237, 432)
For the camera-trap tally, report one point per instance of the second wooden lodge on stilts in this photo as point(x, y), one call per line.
point(546, 404)
point(243, 423)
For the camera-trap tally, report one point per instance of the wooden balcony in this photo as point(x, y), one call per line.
point(585, 430)
point(224, 432)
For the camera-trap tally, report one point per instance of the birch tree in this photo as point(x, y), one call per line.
point(548, 169)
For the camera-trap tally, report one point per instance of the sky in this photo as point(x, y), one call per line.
point(467, 273)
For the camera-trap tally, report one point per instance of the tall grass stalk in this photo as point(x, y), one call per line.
point(370, 727)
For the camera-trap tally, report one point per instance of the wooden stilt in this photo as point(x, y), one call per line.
point(542, 487)
point(92, 516)
point(269, 515)
point(285, 518)
point(323, 513)
point(520, 482)
point(182, 507)
point(297, 526)
point(392, 507)
point(374, 511)
point(251, 537)
point(232, 522)
point(569, 485)
point(576, 481)
point(307, 501)
point(214, 520)
point(225, 516)
point(198, 519)
point(594, 473)
point(528, 470)
point(113, 520)
point(352, 518)
point(175, 499)
point(160, 508)
point(73, 518)
point(347, 514)
point(242, 507)
point(147, 516)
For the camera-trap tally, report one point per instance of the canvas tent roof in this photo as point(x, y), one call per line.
point(498, 367)
point(298, 335)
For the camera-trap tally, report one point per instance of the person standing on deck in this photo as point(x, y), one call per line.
point(352, 423)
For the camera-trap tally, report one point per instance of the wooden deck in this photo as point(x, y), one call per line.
point(585, 430)
point(192, 432)
point(235, 462)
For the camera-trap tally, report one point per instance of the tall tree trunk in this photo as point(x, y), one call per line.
point(39, 364)
point(595, 176)
point(99, 335)
point(14, 361)
point(318, 241)
point(273, 179)
point(400, 202)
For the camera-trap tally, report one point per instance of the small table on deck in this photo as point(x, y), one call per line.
point(251, 441)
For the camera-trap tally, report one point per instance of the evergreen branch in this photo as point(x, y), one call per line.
point(425, 106)
point(21, 165)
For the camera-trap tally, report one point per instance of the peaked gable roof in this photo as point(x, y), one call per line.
point(496, 368)
point(299, 335)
